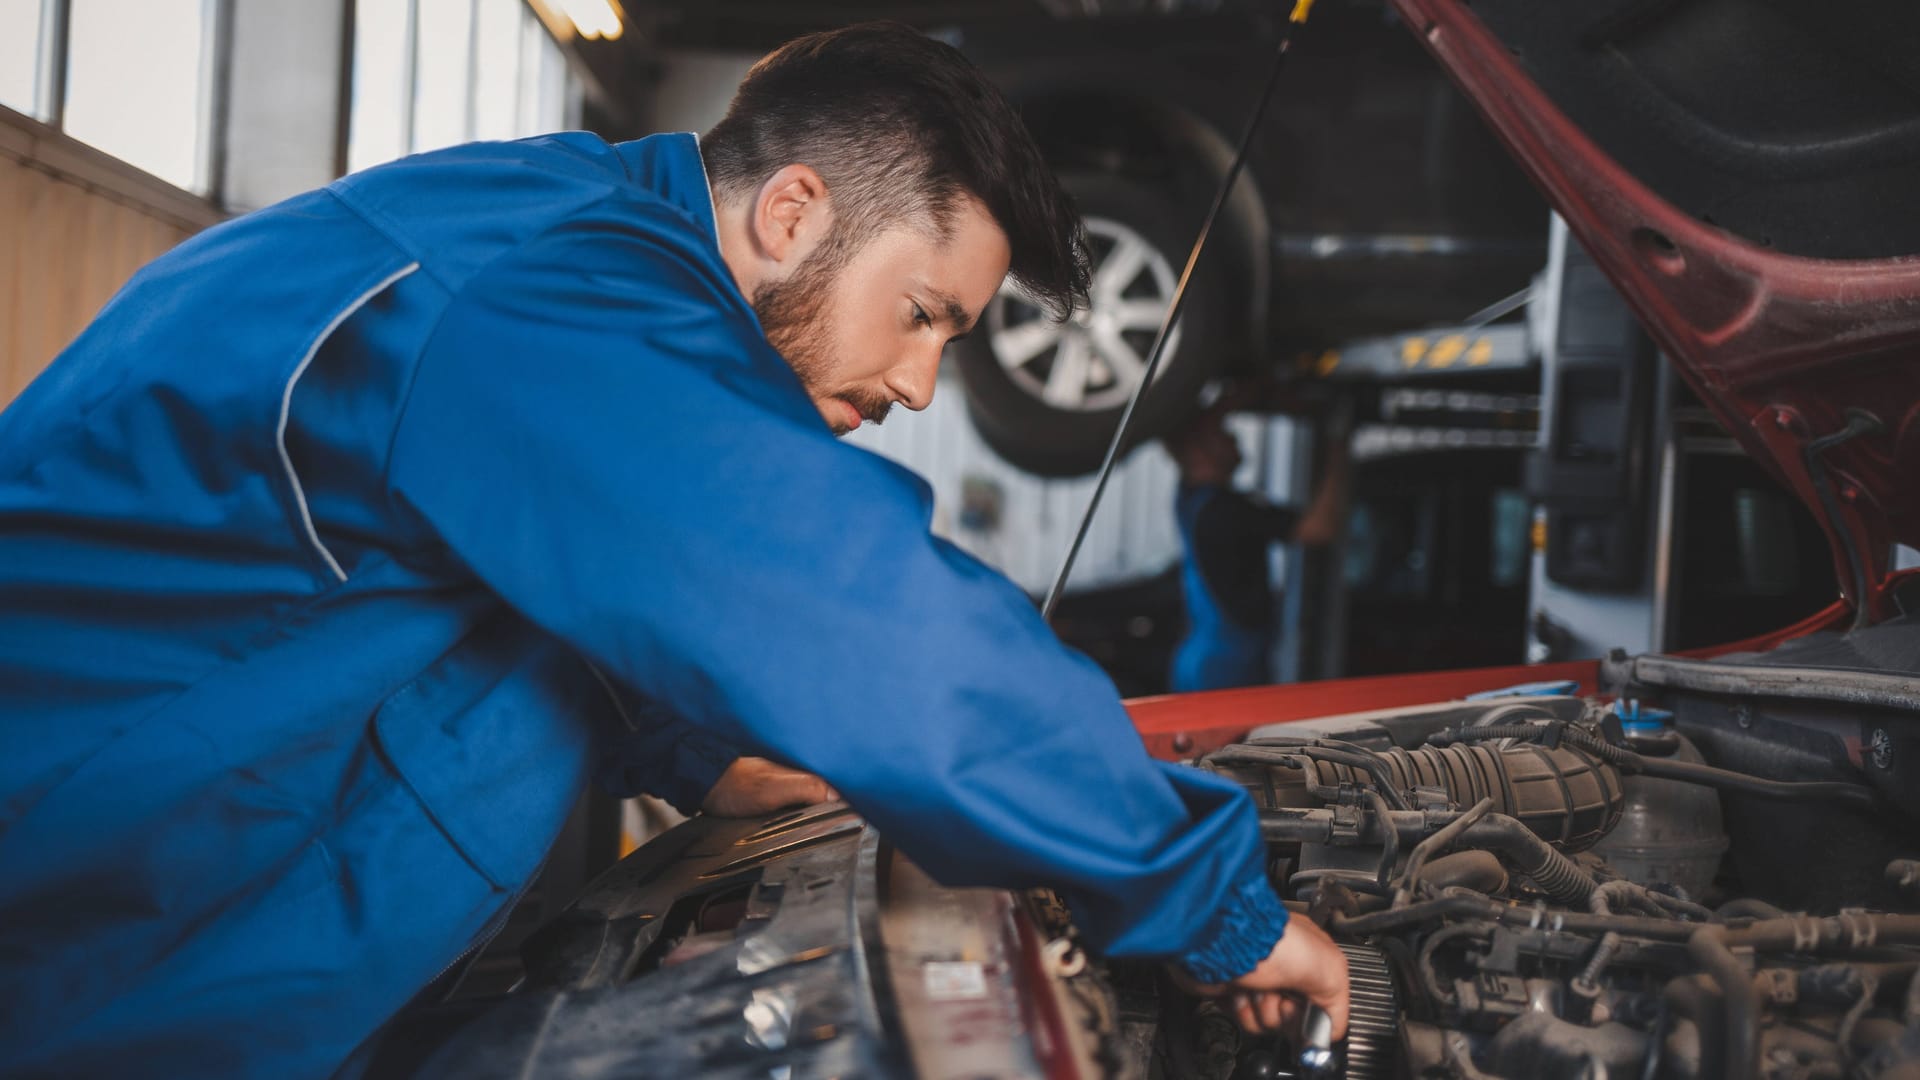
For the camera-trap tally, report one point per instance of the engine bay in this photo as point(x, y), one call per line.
point(1705, 869)
point(1705, 872)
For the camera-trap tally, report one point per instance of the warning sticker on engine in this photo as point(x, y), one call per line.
point(955, 980)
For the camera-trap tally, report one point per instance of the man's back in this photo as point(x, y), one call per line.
point(228, 657)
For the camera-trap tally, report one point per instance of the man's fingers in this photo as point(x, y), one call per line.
point(1271, 1010)
point(800, 787)
point(1290, 1012)
point(1264, 1011)
point(1336, 1006)
point(753, 785)
point(797, 789)
point(1243, 1011)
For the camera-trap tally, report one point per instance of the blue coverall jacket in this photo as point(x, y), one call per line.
point(350, 539)
point(1225, 587)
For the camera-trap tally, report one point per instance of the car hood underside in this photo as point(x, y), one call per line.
point(1742, 170)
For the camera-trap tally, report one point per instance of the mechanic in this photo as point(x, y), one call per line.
point(1225, 536)
point(356, 533)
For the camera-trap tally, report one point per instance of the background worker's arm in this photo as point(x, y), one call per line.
point(601, 434)
point(1326, 516)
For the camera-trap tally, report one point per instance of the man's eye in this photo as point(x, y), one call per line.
point(920, 316)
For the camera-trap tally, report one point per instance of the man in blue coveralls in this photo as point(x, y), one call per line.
point(1225, 536)
point(356, 533)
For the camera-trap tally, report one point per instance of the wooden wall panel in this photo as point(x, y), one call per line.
point(12, 182)
point(65, 249)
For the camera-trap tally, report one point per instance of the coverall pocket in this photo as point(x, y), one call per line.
point(493, 741)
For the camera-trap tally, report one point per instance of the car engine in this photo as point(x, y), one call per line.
point(1707, 870)
point(1534, 884)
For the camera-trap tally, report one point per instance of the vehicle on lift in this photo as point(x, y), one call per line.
point(1373, 201)
point(1654, 865)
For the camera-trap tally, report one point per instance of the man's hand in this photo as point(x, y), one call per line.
point(1304, 965)
point(754, 785)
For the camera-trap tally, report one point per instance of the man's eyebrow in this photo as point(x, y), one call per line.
point(956, 313)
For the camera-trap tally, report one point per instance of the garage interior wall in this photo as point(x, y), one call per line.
point(77, 226)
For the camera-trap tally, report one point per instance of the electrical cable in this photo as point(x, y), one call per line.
point(1389, 840)
point(1439, 841)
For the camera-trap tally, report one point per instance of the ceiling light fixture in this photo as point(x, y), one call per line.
point(596, 20)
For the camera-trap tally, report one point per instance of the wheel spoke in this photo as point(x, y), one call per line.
point(1117, 271)
point(1138, 314)
point(1067, 384)
point(1128, 367)
point(1017, 345)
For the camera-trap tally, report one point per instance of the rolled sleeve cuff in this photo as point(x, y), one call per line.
point(699, 761)
point(1240, 935)
point(658, 754)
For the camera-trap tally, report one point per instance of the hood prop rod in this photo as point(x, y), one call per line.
point(1301, 9)
point(1859, 422)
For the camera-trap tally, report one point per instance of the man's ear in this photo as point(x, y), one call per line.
point(790, 214)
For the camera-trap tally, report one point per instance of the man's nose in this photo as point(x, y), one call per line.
point(912, 380)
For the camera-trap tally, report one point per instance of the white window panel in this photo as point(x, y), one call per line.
point(533, 43)
point(136, 86)
point(443, 66)
point(20, 56)
point(432, 73)
point(496, 68)
point(553, 88)
point(576, 105)
point(382, 82)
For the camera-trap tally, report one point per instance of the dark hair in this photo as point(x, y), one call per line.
point(901, 126)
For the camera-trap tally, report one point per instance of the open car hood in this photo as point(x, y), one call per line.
point(1745, 172)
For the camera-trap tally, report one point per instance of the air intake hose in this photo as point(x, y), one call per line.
point(1562, 794)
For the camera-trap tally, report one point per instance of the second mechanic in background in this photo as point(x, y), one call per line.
point(1225, 537)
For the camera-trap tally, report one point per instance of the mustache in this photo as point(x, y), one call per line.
point(872, 407)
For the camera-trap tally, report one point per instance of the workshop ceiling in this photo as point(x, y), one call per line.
point(757, 24)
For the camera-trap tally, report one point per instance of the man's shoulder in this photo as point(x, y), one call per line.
point(458, 209)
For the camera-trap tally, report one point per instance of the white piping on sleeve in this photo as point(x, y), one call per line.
point(286, 407)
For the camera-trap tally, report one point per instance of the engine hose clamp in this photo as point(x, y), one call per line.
point(1064, 957)
point(1539, 914)
point(1861, 931)
point(1348, 825)
point(1806, 934)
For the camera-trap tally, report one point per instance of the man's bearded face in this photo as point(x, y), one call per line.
point(794, 315)
point(863, 322)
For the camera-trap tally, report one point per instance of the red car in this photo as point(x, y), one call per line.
point(1649, 866)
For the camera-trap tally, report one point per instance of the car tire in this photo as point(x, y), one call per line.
point(1047, 397)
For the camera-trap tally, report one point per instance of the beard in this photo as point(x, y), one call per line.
point(793, 315)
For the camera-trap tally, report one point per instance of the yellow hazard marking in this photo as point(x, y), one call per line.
point(1480, 354)
point(1412, 350)
point(1446, 351)
point(1328, 361)
point(1301, 9)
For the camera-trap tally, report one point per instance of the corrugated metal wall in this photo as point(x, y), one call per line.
point(1133, 537)
point(65, 248)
